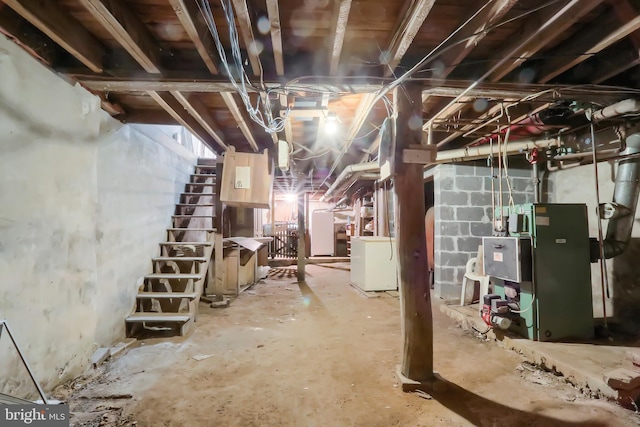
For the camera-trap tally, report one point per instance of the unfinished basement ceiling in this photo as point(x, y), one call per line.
point(156, 62)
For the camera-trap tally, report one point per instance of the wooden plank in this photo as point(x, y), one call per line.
point(408, 29)
point(199, 111)
point(339, 21)
point(300, 273)
point(62, 28)
point(158, 317)
point(148, 116)
point(362, 111)
point(611, 63)
point(443, 110)
point(621, 21)
point(246, 31)
point(471, 34)
point(173, 276)
point(276, 35)
point(179, 258)
point(175, 109)
point(187, 82)
point(544, 26)
point(198, 31)
point(230, 101)
point(166, 295)
point(118, 19)
point(413, 268)
point(160, 85)
point(25, 35)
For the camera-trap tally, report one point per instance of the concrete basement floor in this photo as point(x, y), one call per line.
point(583, 364)
point(321, 354)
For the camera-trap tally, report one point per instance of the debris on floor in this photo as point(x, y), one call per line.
point(100, 355)
point(331, 366)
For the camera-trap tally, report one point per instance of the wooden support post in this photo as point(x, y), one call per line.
point(218, 245)
point(301, 238)
point(273, 224)
point(416, 371)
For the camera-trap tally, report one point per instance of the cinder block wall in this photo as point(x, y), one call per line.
point(463, 215)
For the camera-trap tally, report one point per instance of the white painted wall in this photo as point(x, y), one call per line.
point(577, 185)
point(84, 202)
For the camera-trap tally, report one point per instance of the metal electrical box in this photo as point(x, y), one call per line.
point(555, 298)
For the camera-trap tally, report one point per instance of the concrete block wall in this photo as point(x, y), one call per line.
point(463, 215)
point(84, 202)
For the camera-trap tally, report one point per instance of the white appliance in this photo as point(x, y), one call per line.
point(373, 263)
point(322, 234)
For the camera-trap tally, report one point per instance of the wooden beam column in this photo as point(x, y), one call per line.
point(416, 371)
point(301, 237)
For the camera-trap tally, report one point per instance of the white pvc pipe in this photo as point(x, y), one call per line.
point(482, 151)
point(619, 108)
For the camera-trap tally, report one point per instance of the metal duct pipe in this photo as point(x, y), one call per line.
point(347, 172)
point(625, 198)
point(481, 152)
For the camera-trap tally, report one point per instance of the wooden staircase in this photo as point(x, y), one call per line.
point(168, 298)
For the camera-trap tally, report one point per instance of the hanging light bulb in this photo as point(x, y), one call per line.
point(331, 124)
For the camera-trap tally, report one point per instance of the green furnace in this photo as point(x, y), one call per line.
point(543, 270)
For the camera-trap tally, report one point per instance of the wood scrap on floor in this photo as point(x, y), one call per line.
point(100, 355)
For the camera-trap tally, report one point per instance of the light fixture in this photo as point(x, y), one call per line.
point(331, 124)
point(291, 197)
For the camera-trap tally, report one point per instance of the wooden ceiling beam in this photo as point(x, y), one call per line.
point(403, 36)
point(443, 110)
point(198, 31)
point(516, 117)
point(288, 129)
point(199, 112)
point(471, 34)
point(21, 32)
point(149, 116)
point(617, 24)
point(341, 10)
point(231, 103)
point(276, 35)
point(62, 28)
point(546, 24)
point(246, 31)
point(118, 19)
point(172, 106)
point(611, 63)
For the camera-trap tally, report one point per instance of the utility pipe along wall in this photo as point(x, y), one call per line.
point(625, 195)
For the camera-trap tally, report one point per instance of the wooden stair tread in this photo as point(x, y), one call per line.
point(173, 276)
point(195, 205)
point(203, 175)
point(179, 258)
point(202, 184)
point(190, 229)
point(193, 216)
point(148, 295)
point(158, 317)
point(186, 243)
point(206, 166)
